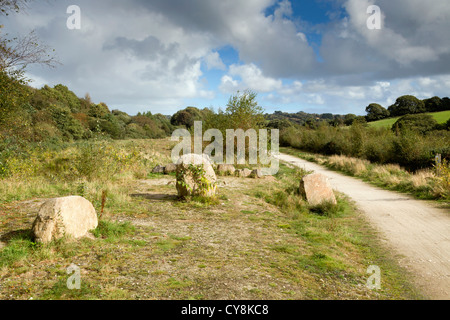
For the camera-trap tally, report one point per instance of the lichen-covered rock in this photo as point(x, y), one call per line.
point(71, 216)
point(195, 176)
point(317, 189)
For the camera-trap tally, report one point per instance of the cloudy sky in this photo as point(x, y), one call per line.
point(309, 55)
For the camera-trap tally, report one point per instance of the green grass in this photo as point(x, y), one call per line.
point(422, 185)
point(440, 117)
point(113, 230)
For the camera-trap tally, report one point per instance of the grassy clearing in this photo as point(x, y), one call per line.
point(257, 240)
point(440, 117)
point(424, 184)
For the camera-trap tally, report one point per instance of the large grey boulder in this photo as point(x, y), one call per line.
point(72, 216)
point(317, 189)
point(190, 182)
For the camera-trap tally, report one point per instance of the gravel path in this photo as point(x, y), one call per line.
point(414, 229)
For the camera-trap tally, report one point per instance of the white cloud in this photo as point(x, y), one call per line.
point(213, 61)
point(150, 53)
point(251, 78)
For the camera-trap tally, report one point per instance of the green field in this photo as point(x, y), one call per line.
point(441, 117)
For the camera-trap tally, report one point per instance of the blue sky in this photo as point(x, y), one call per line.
point(314, 56)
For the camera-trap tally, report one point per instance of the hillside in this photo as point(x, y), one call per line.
point(440, 117)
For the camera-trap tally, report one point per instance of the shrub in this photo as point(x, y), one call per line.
point(421, 123)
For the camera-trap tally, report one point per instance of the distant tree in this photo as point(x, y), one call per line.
point(337, 121)
point(445, 103)
point(407, 105)
point(98, 110)
point(183, 118)
point(415, 122)
point(195, 112)
point(244, 112)
point(376, 112)
point(349, 118)
point(433, 104)
point(327, 116)
point(279, 124)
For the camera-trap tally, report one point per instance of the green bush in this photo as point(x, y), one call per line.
point(412, 149)
point(421, 123)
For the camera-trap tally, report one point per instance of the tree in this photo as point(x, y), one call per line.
point(433, 104)
point(183, 118)
point(20, 52)
point(376, 112)
point(327, 116)
point(407, 105)
point(13, 94)
point(7, 6)
point(445, 103)
point(349, 118)
point(279, 124)
point(244, 112)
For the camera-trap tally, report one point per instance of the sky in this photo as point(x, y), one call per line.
point(317, 56)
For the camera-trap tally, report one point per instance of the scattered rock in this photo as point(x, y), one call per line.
point(257, 174)
point(225, 169)
point(189, 182)
point(170, 168)
point(317, 189)
point(244, 173)
point(158, 169)
point(71, 216)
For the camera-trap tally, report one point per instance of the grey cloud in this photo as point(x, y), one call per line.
point(150, 48)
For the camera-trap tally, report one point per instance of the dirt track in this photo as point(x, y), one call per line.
point(414, 229)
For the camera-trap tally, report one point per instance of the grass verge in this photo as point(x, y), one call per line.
point(424, 184)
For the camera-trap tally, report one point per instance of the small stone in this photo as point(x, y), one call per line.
point(257, 174)
point(244, 173)
point(170, 168)
point(225, 169)
point(158, 169)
